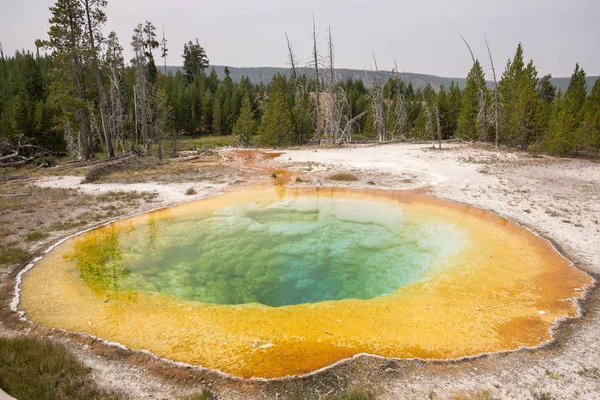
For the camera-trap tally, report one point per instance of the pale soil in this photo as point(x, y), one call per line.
point(166, 193)
point(557, 198)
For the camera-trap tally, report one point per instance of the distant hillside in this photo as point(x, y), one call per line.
point(266, 74)
point(418, 80)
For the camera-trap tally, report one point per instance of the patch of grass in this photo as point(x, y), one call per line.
point(34, 236)
point(207, 142)
point(343, 177)
point(36, 369)
point(95, 174)
point(191, 191)
point(552, 374)
point(485, 394)
point(593, 373)
point(12, 255)
point(356, 394)
point(542, 396)
point(201, 395)
point(67, 225)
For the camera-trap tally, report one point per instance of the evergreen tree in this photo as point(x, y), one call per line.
point(276, 126)
point(454, 106)
point(442, 102)
point(150, 44)
point(70, 90)
point(194, 60)
point(565, 133)
point(590, 129)
point(245, 125)
point(509, 89)
point(207, 111)
point(470, 104)
point(526, 129)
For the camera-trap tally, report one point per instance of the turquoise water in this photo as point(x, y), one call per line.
point(303, 250)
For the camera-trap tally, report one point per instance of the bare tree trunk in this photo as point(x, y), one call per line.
point(164, 50)
point(482, 113)
point(439, 127)
point(377, 104)
point(331, 58)
point(333, 110)
point(135, 118)
point(496, 103)
point(142, 90)
point(88, 143)
point(291, 57)
point(100, 86)
point(429, 121)
point(400, 110)
point(318, 99)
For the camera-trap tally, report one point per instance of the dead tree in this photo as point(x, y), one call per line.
point(95, 128)
point(73, 148)
point(439, 127)
point(429, 125)
point(164, 50)
point(482, 116)
point(291, 57)
point(377, 105)
point(346, 125)
point(400, 109)
point(24, 153)
point(317, 94)
point(161, 119)
point(496, 104)
point(332, 112)
point(142, 89)
point(93, 31)
point(116, 108)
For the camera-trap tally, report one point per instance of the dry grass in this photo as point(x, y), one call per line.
point(35, 236)
point(36, 369)
point(207, 142)
point(149, 169)
point(343, 177)
point(358, 394)
point(201, 395)
point(478, 395)
point(12, 254)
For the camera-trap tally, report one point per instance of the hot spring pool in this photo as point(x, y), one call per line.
point(275, 282)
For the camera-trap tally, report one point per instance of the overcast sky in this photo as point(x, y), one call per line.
point(423, 36)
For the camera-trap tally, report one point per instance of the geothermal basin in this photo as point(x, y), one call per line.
point(272, 282)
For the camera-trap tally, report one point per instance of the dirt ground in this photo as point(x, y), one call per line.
point(557, 198)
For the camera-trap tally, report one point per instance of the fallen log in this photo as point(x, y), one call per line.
point(15, 195)
point(16, 163)
point(10, 157)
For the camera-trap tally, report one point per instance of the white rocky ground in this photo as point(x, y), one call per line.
point(558, 198)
